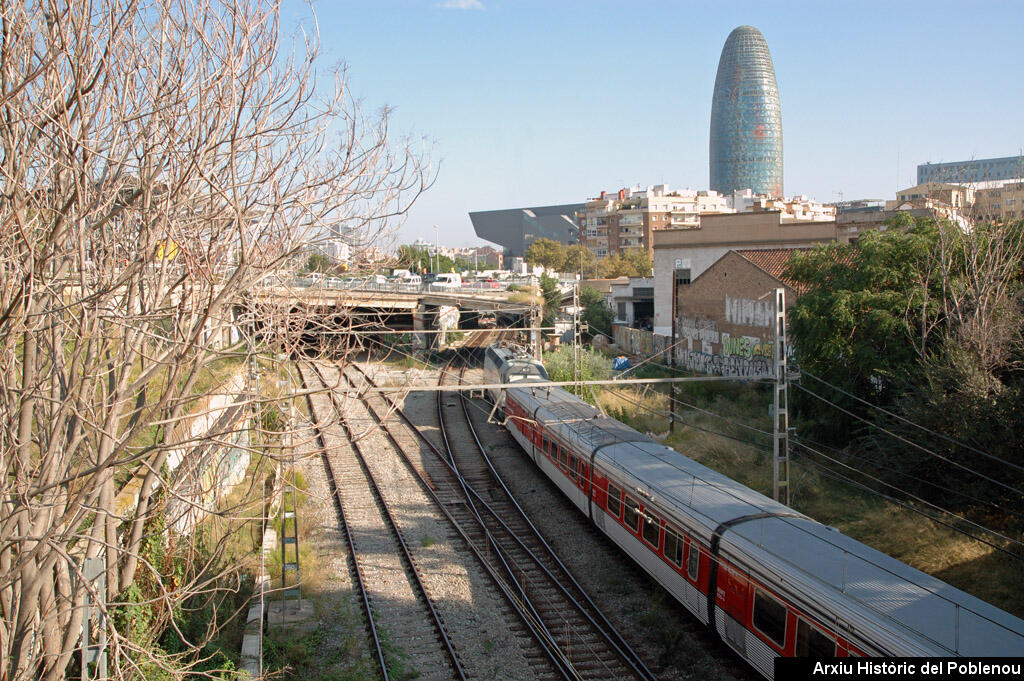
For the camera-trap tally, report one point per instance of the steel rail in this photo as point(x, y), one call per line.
point(630, 658)
point(548, 638)
point(561, 664)
point(624, 649)
point(332, 479)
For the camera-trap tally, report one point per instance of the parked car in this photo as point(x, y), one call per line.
point(448, 281)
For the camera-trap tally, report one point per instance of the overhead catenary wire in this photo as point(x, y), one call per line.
point(947, 438)
point(914, 497)
point(910, 476)
point(764, 450)
point(828, 472)
point(921, 448)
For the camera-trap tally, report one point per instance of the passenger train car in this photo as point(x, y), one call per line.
point(766, 579)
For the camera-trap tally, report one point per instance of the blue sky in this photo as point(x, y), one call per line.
point(533, 103)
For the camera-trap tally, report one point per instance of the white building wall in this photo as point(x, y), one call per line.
point(698, 260)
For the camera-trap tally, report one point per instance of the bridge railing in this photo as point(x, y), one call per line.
point(338, 284)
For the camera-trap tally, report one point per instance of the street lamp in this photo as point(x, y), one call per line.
point(437, 253)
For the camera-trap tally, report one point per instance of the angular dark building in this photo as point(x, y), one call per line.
point(516, 228)
point(746, 118)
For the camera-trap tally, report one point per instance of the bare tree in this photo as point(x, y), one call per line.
point(159, 158)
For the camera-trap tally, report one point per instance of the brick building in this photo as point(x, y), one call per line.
point(724, 318)
point(683, 255)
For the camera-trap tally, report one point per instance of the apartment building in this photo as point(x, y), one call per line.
point(613, 222)
point(991, 200)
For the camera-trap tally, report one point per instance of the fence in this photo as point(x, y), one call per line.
point(646, 344)
point(639, 342)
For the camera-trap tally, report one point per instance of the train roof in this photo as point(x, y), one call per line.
point(817, 556)
point(574, 421)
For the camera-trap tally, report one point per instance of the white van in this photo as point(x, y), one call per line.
point(447, 281)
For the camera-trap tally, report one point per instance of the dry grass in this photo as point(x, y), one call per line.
point(890, 528)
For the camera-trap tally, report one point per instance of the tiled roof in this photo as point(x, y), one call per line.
point(773, 261)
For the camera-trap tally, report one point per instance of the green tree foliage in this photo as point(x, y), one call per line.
point(413, 259)
point(632, 262)
point(418, 259)
point(579, 258)
point(595, 367)
point(924, 320)
point(852, 325)
point(595, 312)
point(552, 298)
point(547, 253)
point(318, 262)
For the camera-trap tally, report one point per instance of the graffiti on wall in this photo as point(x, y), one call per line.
point(700, 330)
point(727, 365)
point(746, 312)
point(709, 349)
point(639, 342)
point(749, 347)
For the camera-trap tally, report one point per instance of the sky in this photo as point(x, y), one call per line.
point(530, 103)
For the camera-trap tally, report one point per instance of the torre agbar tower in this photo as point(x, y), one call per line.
point(746, 118)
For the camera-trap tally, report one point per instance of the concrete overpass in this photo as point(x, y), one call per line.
point(366, 306)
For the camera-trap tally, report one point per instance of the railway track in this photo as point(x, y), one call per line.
point(381, 561)
point(579, 625)
point(574, 636)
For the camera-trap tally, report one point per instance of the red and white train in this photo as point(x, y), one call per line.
point(766, 579)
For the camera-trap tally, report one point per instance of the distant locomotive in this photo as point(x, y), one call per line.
point(766, 579)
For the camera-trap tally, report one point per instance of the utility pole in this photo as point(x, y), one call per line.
point(577, 357)
point(780, 413)
point(672, 354)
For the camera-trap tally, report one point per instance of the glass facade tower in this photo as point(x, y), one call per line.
point(746, 118)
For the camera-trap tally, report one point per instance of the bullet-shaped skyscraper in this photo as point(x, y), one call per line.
point(746, 118)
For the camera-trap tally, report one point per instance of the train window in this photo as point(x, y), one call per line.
point(770, 617)
point(563, 457)
point(573, 468)
point(673, 547)
point(614, 500)
point(812, 642)
point(631, 516)
point(693, 560)
point(651, 529)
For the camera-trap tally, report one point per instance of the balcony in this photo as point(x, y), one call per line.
point(630, 231)
point(630, 221)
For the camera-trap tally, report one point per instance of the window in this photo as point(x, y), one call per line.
point(614, 500)
point(631, 516)
point(563, 457)
point(572, 468)
point(770, 617)
point(673, 547)
point(811, 642)
point(622, 311)
point(693, 561)
point(651, 529)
